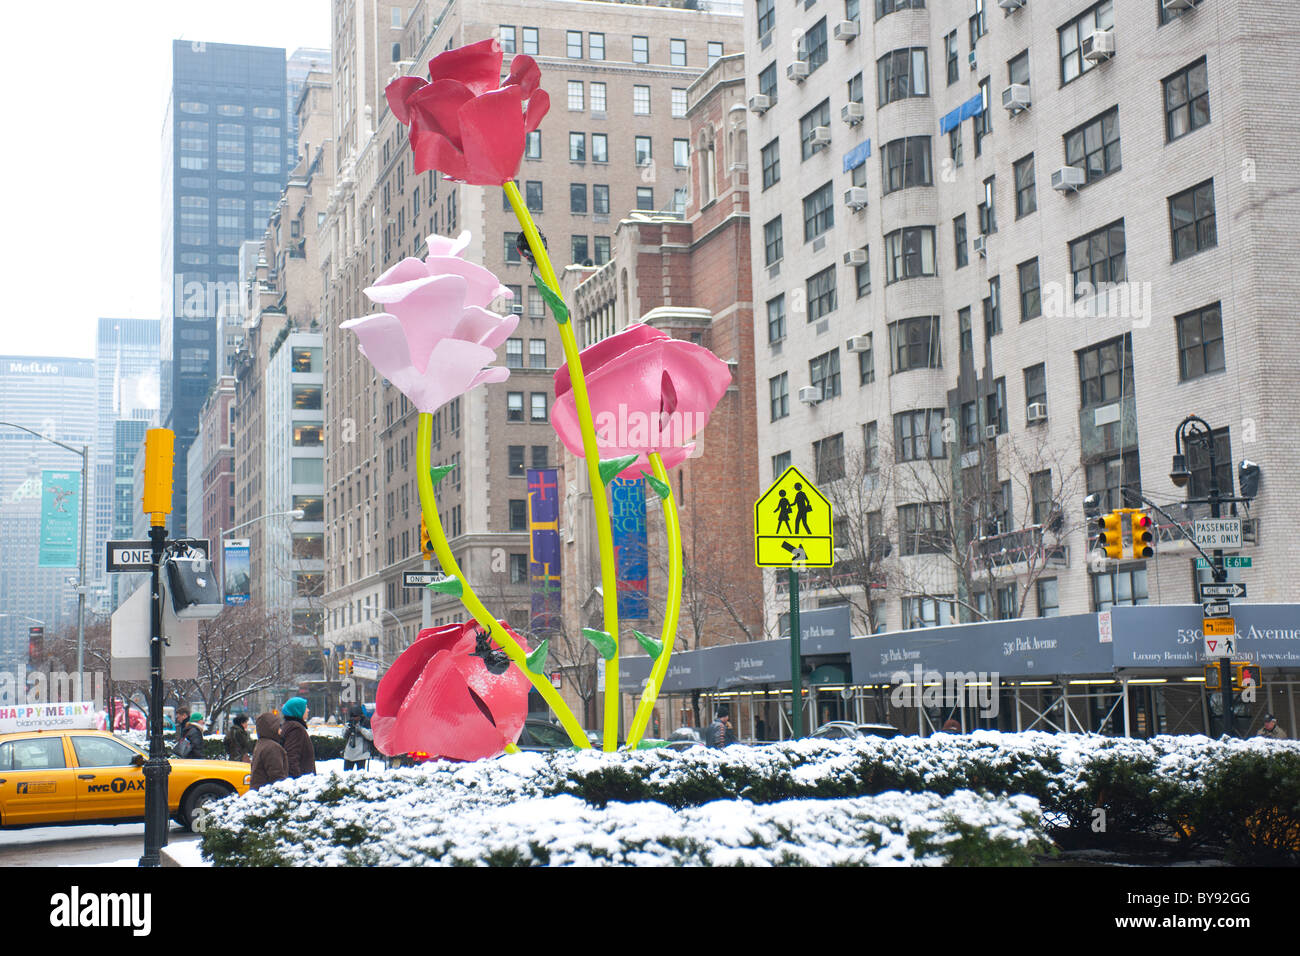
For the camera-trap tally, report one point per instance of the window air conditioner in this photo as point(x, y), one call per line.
point(810, 394)
point(1036, 412)
point(859, 343)
point(851, 113)
point(1011, 6)
point(990, 432)
point(971, 60)
point(1177, 6)
point(1067, 179)
point(1016, 98)
point(855, 257)
point(821, 136)
point(980, 245)
point(855, 197)
point(846, 30)
point(760, 103)
point(1099, 45)
point(797, 71)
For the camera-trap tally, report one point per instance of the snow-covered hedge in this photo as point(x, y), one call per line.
point(669, 801)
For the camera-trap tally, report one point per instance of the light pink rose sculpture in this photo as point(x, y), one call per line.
point(437, 339)
point(648, 391)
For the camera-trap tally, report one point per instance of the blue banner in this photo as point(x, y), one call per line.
point(544, 549)
point(235, 570)
point(631, 554)
point(60, 518)
point(857, 156)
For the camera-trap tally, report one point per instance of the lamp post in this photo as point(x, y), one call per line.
point(84, 452)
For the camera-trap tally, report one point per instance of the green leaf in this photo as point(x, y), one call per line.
point(652, 647)
point(610, 467)
point(558, 308)
point(439, 473)
point(450, 586)
point(601, 640)
point(644, 744)
point(661, 488)
point(537, 659)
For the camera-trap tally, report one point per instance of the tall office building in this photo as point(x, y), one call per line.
point(126, 388)
point(301, 63)
point(1003, 250)
point(54, 396)
point(224, 166)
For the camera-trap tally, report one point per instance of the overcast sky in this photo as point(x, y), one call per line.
point(85, 85)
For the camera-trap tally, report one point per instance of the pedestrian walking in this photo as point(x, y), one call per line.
point(269, 760)
point(295, 739)
point(1271, 728)
point(357, 737)
point(720, 733)
point(239, 745)
point(950, 726)
point(189, 739)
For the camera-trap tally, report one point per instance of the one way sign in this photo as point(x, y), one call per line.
point(124, 556)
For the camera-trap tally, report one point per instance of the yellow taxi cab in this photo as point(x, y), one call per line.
point(69, 776)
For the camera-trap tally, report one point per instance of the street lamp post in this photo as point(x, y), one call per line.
point(84, 452)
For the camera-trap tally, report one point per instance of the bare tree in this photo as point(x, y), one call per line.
point(862, 538)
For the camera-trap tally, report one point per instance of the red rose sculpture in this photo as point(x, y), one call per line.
point(649, 392)
point(453, 693)
point(465, 121)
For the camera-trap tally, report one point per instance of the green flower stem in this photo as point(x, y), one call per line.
point(442, 550)
point(590, 451)
point(673, 529)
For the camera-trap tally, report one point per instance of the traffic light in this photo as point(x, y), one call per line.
point(343, 668)
point(1246, 675)
point(426, 543)
point(1109, 530)
point(1143, 534)
point(1212, 677)
point(158, 460)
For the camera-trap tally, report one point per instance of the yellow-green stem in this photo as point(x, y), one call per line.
point(442, 550)
point(672, 528)
point(591, 452)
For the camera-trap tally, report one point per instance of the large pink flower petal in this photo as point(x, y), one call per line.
point(429, 309)
point(484, 327)
point(598, 353)
point(446, 246)
point(538, 105)
point(525, 73)
point(435, 108)
point(400, 677)
point(383, 342)
point(439, 715)
point(397, 93)
point(408, 270)
point(477, 66)
point(434, 151)
point(482, 286)
point(454, 368)
point(492, 135)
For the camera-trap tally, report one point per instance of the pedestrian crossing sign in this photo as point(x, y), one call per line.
point(792, 525)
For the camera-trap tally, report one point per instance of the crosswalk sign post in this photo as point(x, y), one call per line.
point(793, 529)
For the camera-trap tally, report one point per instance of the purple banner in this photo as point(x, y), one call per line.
point(627, 514)
point(544, 549)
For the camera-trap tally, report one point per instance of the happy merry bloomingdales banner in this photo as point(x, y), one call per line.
point(73, 715)
point(60, 518)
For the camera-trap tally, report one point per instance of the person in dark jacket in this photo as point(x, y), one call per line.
point(182, 718)
point(357, 736)
point(719, 733)
point(239, 746)
point(269, 761)
point(295, 739)
point(189, 737)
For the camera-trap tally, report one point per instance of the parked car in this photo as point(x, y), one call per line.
point(685, 738)
point(540, 734)
point(847, 730)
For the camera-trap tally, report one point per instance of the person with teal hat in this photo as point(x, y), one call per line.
point(295, 739)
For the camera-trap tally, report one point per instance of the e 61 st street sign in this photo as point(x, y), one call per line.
point(1230, 561)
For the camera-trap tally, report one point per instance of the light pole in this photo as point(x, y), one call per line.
point(81, 564)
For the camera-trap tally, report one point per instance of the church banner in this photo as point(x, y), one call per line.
point(544, 549)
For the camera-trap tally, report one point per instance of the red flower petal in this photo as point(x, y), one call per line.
point(538, 104)
point(435, 108)
point(596, 355)
point(397, 93)
point(437, 152)
point(477, 66)
point(525, 73)
point(492, 131)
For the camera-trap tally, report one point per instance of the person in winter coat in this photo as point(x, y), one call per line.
point(189, 736)
point(719, 733)
point(356, 739)
point(269, 761)
point(295, 739)
point(1271, 728)
point(239, 746)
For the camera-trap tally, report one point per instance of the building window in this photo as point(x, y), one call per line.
point(681, 153)
point(1098, 258)
point(714, 51)
point(1114, 480)
point(901, 74)
point(866, 364)
point(1187, 100)
point(1106, 372)
point(960, 252)
point(678, 103)
point(575, 95)
point(643, 153)
point(533, 195)
point(914, 343)
point(1101, 16)
point(530, 41)
point(537, 401)
point(1040, 496)
point(507, 37)
point(824, 374)
point(951, 57)
point(1123, 586)
point(677, 52)
point(601, 249)
point(993, 308)
point(537, 353)
point(536, 305)
point(541, 456)
point(1026, 197)
point(640, 49)
point(600, 199)
point(533, 145)
point(1036, 385)
point(906, 162)
point(909, 253)
point(1198, 463)
point(821, 294)
point(1031, 301)
point(597, 97)
point(1049, 603)
point(767, 83)
point(515, 461)
point(862, 275)
point(926, 612)
point(645, 197)
point(820, 115)
point(600, 147)
point(578, 250)
point(1094, 146)
point(828, 457)
point(776, 319)
point(1200, 342)
point(982, 122)
point(965, 336)
point(573, 44)
point(772, 243)
point(518, 514)
point(640, 101)
point(870, 451)
point(1191, 220)
point(578, 197)
point(818, 212)
point(779, 464)
point(855, 88)
point(518, 568)
point(970, 424)
point(771, 159)
point(1018, 69)
point(988, 210)
point(596, 46)
point(996, 406)
point(577, 147)
point(918, 435)
point(514, 406)
point(514, 353)
point(766, 17)
point(511, 243)
point(923, 529)
point(779, 393)
point(812, 45)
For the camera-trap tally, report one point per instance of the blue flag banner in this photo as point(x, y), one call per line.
point(631, 553)
point(236, 570)
point(972, 107)
point(60, 518)
point(544, 549)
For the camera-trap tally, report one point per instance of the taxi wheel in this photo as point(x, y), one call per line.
point(196, 798)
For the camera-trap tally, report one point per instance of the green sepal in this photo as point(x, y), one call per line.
point(601, 640)
point(661, 488)
point(558, 308)
point(610, 467)
point(644, 744)
point(450, 586)
point(537, 659)
point(439, 473)
point(652, 647)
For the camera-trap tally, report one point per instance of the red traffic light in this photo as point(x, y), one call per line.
point(1143, 535)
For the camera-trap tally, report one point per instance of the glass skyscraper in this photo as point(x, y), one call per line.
point(224, 167)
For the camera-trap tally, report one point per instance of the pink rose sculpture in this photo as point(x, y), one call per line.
point(452, 693)
point(465, 121)
point(437, 339)
point(648, 391)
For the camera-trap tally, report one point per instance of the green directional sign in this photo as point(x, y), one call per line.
point(1232, 561)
